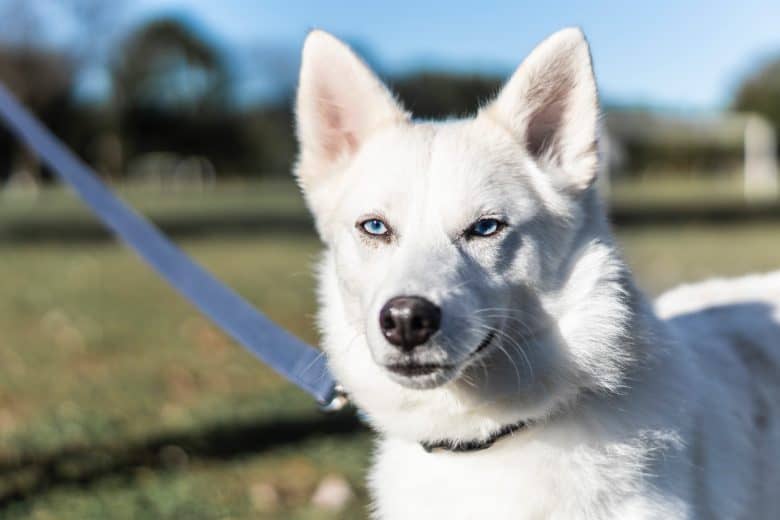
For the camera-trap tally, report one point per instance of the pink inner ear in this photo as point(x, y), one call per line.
point(337, 137)
point(549, 101)
point(543, 129)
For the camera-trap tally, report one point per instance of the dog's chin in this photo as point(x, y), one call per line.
point(426, 376)
point(421, 376)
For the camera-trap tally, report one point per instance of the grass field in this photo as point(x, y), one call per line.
point(117, 400)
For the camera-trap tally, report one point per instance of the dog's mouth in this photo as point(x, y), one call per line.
point(417, 369)
point(410, 370)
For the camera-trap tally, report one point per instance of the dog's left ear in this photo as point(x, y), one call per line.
point(550, 105)
point(340, 102)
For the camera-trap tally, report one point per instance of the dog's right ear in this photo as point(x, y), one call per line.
point(550, 105)
point(339, 103)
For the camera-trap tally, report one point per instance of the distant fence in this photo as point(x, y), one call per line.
point(721, 141)
point(760, 159)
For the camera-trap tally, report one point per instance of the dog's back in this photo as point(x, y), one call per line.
point(733, 326)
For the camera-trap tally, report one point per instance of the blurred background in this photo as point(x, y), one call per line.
point(118, 400)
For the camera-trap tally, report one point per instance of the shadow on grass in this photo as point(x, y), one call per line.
point(26, 478)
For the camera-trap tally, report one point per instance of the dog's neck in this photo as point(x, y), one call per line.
point(461, 446)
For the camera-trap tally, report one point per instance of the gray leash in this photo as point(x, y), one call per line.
point(300, 363)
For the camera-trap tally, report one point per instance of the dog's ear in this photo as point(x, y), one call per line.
point(339, 103)
point(550, 105)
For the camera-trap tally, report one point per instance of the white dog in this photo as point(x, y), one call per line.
point(475, 306)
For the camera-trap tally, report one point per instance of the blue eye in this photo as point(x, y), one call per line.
point(374, 226)
point(485, 227)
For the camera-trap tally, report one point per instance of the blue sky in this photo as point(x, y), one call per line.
point(674, 54)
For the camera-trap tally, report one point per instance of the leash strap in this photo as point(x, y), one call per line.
point(300, 363)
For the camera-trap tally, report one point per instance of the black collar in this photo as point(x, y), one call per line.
point(467, 446)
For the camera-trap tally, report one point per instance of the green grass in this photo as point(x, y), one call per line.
point(662, 257)
point(118, 400)
point(98, 351)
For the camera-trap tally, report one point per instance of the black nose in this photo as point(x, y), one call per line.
point(408, 321)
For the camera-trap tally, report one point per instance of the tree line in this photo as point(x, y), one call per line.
point(171, 91)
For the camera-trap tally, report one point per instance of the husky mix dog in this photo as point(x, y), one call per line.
point(475, 306)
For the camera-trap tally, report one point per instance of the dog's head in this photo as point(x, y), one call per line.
point(463, 257)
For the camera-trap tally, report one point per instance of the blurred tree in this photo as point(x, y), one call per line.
point(45, 78)
point(270, 130)
point(438, 94)
point(40, 78)
point(167, 66)
point(760, 92)
point(172, 91)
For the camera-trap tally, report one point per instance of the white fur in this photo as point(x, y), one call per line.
point(630, 416)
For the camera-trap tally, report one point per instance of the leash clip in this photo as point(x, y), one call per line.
point(337, 401)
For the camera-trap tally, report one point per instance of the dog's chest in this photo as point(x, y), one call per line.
point(410, 483)
point(506, 481)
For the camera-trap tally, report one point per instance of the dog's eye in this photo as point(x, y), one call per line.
point(484, 227)
point(375, 227)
